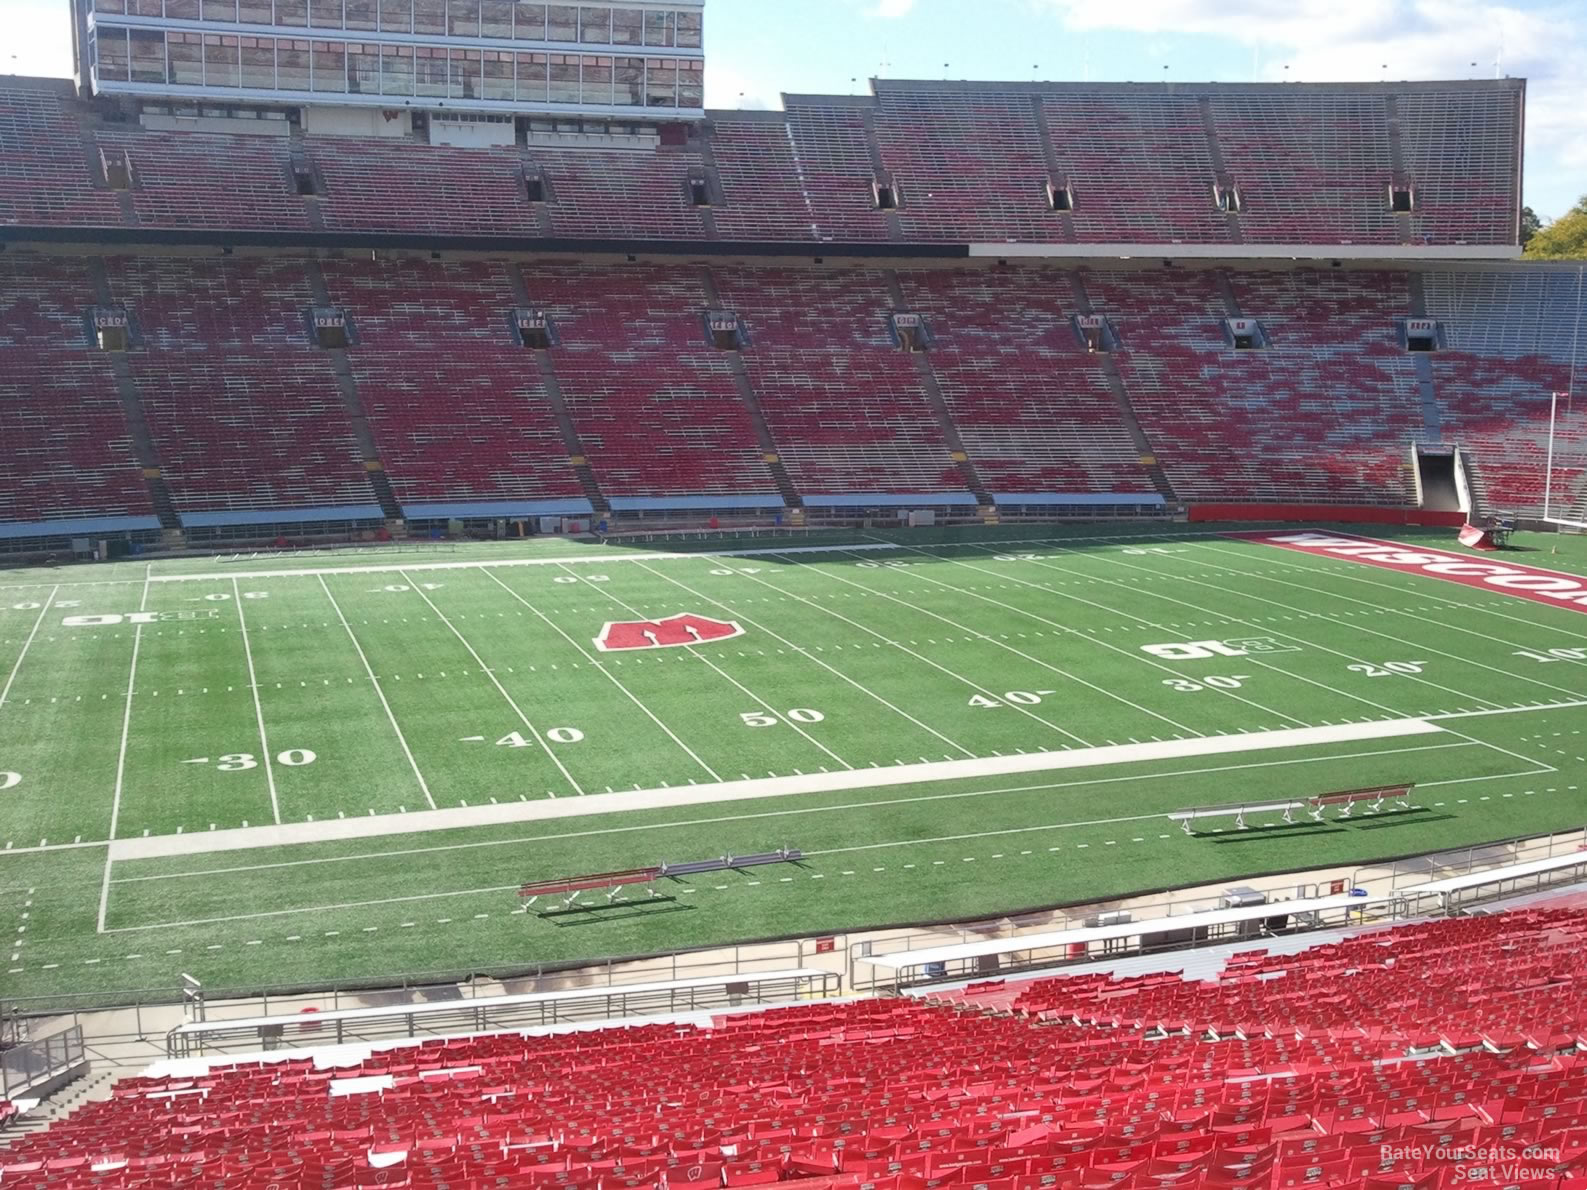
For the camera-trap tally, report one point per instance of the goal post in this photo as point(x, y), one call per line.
point(1566, 465)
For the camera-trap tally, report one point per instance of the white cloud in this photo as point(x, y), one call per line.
point(38, 39)
point(892, 10)
point(726, 87)
point(1320, 40)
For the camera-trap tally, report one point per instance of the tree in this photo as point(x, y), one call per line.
point(1530, 225)
point(1563, 239)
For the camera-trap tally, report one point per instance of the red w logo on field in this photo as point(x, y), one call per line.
point(685, 628)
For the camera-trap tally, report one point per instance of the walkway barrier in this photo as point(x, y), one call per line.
point(1032, 951)
point(34, 1066)
point(494, 1013)
point(1455, 892)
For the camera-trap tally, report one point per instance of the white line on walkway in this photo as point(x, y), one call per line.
point(424, 787)
point(502, 690)
point(121, 756)
point(27, 644)
point(809, 656)
point(329, 830)
point(602, 669)
point(258, 708)
point(704, 658)
point(794, 811)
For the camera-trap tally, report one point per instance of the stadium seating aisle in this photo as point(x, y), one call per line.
point(1326, 412)
point(654, 404)
point(208, 180)
point(1509, 340)
point(1032, 407)
point(1281, 1072)
point(456, 404)
point(845, 405)
point(46, 179)
point(67, 451)
point(244, 414)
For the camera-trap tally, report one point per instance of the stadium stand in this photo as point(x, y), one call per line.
point(245, 416)
point(1347, 1063)
point(68, 456)
point(969, 162)
point(208, 180)
point(455, 403)
point(1031, 404)
point(47, 180)
point(1508, 339)
point(654, 404)
point(1303, 418)
point(1314, 163)
point(844, 403)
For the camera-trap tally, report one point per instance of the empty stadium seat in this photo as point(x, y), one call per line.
point(1352, 1061)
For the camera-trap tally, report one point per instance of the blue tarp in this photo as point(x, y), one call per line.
point(498, 509)
point(80, 527)
point(283, 516)
point(1136, 498)
point(665, 503)
point(891, 500)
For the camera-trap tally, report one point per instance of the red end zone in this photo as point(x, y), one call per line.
point(1523, 582)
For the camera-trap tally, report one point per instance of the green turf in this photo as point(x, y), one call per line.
point(858, 659)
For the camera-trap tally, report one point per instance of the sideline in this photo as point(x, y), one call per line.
point(331, 830)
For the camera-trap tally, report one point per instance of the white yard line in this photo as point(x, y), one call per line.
point(1389, 636)
point(1091, 639)
point(608, 559)
point(602, 670)
point(796, 811)
point(1357, 573)
point(500, 689)
point(805, 653)
point(985, 691)
point(424, 787)
point(215, 921)
point(27, 644)
point(1269, 630)
point(258, 708)
point(992, 640)
point(121, 756)
point(1250, 658)
point(701, 656)
point(330, 830)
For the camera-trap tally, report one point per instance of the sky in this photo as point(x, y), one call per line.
point(756, 50)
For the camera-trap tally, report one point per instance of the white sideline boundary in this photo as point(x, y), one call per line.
point(332, 830)
point(493, 563)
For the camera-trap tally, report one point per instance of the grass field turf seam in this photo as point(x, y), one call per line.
point(890, 656)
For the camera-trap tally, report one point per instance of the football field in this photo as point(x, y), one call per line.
point(302, 769)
